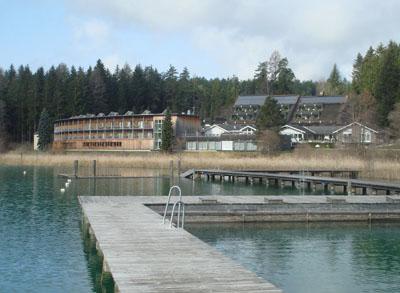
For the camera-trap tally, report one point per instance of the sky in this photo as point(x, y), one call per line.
point(212, 38)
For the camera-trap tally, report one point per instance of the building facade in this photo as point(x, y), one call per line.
point(246, 108)
point(120, 132)
point(353, 133)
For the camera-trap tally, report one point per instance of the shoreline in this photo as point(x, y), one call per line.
point(372, 165)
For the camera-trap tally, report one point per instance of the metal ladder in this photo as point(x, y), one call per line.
point(181, 208)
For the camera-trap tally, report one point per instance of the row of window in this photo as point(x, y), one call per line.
point(102, 144)
point(221, 146)
point(127, 135)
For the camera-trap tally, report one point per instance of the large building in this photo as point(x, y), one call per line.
point(120, 132)
point(246, 108)
point(319, 110)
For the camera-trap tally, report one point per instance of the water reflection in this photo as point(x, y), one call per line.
point(311, 258)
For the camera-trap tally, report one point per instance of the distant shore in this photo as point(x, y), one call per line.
point(383, 165)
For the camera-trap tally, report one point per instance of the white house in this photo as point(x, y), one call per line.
point(297, 133)
point(219, 129)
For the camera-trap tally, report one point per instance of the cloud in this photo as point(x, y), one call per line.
point(92, 31)
point(237, 34)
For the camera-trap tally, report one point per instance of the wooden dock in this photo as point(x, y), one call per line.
point(144, 255)
point(348, 185)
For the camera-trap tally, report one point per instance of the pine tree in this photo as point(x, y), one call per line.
point(334, 83)
point(269, 116)
point(387, 90)
point(3, 127)
point(45, 130)
point(167, 133)
point(356, 74)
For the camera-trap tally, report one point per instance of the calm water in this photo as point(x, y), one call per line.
point(42, 250)
point(314, 258)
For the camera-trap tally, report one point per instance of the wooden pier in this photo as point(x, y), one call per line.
point(144, 255)
point(347, 185)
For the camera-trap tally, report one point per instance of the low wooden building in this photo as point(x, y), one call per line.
point(120, 132)
point(353, 133)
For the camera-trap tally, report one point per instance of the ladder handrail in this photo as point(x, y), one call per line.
point(180, 204)
point(169, 197)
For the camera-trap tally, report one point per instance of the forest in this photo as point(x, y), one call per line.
point(67, 91)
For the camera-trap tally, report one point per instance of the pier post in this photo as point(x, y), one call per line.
point(179, 167)
point(364, 191)
point(171, 171)
point(76, 166)
point(94, 168)
point(349, 189)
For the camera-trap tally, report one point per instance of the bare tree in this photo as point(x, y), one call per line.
point(268, 141)
point(394, 121)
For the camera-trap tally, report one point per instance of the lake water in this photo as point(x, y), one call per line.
point(42, 250)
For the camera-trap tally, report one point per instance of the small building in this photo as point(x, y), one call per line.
point(353, 133)
point(120, 132)
point(36, 141)
point(357, 133)
point(219, 129)
point(224, 142)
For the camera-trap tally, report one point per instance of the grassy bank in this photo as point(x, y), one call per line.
point(372, 164)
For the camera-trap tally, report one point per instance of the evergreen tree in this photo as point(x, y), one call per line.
point(269, 116)
point(335, 85)
point(285, 80)
point(387, 90)
point(45, 130)
point(167, 133)
point(356, 74)
point(3, 127)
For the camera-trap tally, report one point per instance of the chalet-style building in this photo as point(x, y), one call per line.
point(353, 133)
point(120, 132)
point(219, 129)
point(246, 108)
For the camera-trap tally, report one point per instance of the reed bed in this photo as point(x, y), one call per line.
point(376, 165)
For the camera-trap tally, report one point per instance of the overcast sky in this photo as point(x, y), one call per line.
point(213, 38)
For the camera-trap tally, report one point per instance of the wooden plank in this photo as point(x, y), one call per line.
point(145, 255)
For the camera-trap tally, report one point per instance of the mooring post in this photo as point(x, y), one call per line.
point(349, 191)
point(171, 171)
point(76, 166)
point(94, 168)
point(179, 167)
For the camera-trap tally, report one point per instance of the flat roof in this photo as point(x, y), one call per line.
point(259, 100)
point(323, 100)
point(91, 116)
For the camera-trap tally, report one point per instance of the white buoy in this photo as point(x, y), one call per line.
point(69, 180)
point(62, 190)
point(24, 172)
point(66, 184)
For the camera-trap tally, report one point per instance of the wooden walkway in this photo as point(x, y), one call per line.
point(144, 255)
point(72, 176)
point(349, 185)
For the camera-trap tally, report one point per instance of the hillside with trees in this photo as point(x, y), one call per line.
point(67, 91)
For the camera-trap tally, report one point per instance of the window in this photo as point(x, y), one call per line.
point(203, 145)
point(191, 145)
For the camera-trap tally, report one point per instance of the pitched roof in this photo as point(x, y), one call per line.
point(259, 100)
point(358, 123)
point(322, 100)
point(296, 127)
point(322, 129)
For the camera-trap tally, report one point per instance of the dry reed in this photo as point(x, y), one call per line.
point(371, 165)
